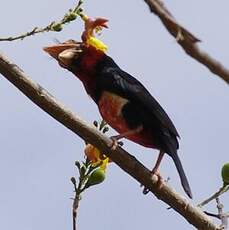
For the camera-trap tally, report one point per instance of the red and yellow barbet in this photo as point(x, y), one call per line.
point(124, 103)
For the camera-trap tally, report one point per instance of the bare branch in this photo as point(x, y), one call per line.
point(127, 162)
point(222, 215)
point(75, 208)
point(221, 191)
point(187, 40)
point(53, 26)
point(212, 214)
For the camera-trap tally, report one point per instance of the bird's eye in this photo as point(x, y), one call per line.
point(67, 56)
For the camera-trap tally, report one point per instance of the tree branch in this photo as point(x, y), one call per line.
point(127, 162)
point(53, 26)
point(187, 40)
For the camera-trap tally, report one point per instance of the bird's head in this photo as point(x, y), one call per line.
point(66, 53)
point(77, 57)
point(74, 55)
point(82, 58)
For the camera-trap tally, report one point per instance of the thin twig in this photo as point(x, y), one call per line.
point(90, 134)
point(47, 28)
point(187, 40)
point(214, 196)
point(34, 31)
point(78, 189)
point(223, 216)
point(75, 210)
point(212, 214)
point(76, 200)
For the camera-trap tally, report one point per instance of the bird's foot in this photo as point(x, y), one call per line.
point(115, 143)
point(160, 181)
point(145, 190)
point(126, 134)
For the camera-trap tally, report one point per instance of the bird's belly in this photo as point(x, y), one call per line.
point(110, 106)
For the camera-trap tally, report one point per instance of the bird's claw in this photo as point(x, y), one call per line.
point(160, 181)
point(115, 143)
point(145, 191)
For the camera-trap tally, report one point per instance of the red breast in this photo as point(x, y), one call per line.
point(110, 106)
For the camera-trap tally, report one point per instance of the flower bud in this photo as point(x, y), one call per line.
point(72, 16)
point(83, 169)
point(95, 123)
point(96, 177)
point(225, 174)
point(73, 180)
point(106, 129)
point(77, 164)
point(57, 27)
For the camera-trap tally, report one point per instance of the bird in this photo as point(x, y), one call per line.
point(123, 101)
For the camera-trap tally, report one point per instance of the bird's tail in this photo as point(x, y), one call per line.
point(183, 178)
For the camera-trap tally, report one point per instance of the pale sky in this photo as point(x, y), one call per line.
point(37, 153)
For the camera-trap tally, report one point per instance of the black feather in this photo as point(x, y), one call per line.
point(141, 109)
point(111, 78)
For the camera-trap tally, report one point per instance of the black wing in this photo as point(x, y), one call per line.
point(118, 81)
point(113, 79)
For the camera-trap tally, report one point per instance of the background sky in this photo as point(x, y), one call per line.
point(37, 154)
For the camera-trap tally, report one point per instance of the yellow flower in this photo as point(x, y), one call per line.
point(98, 44)
point(96, 157)
point(91, 26)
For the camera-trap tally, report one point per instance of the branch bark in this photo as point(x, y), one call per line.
point(127, 162)
point(187, 40)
